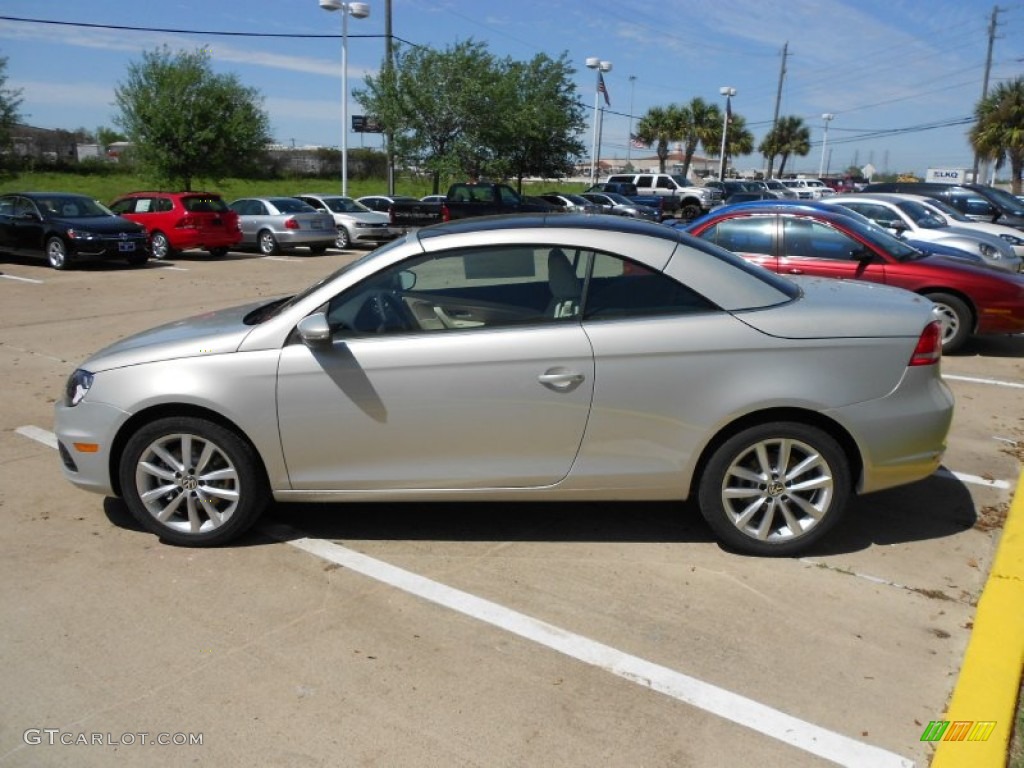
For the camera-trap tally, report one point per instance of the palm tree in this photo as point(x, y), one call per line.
point(660, 126)
point(789, 137)
point(701, 122)
point(738, 142)
point(998, 133)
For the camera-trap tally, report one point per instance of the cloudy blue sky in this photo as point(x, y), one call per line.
point(897, 74)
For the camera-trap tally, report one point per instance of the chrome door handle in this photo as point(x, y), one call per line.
point(560, 380)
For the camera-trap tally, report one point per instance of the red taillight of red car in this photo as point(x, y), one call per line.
point(929, 347)
point(291, 224)
point(187, 222)
point(446, 214)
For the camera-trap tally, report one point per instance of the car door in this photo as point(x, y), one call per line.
point(29, 227)
point(7, 222)
point(810, 247)
point(455, 370)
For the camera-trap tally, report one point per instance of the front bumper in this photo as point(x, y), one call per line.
point(77, 428)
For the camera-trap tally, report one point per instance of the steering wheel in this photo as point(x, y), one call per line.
point(389, 312)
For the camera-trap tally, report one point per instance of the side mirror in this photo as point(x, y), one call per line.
point(314, 329)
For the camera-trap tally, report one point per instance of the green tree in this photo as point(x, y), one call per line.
point(660, 126)
point(738, 142)
point(701, 123)
point(437, 105)
point(107, 136)
point(10, 101)
point(789, 137)
point(187, 123)
point(998, 133)
point(541, 120)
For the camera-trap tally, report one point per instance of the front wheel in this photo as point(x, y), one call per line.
point(775, 489)
point(955, 318)
point(342, 241)
point(268, 243)
point(192, 482)
point(160, 246)
point(57, 253)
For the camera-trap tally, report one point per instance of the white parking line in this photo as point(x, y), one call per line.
point(710, 698)
point(39, 435)
point(280, 258)
point(976, 380)
point(22, 279)
point(975, 479)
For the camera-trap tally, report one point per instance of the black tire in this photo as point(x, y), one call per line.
point(203, 505)
point(758, 516)
point(57, 253)
point(160, 246)
point(267, 243)
point(317, 250)
point(218, 252)
point(689, 211)
point(956, 318)
point(342, 241)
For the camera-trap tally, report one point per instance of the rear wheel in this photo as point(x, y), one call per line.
point(57, 253)
point(774, 489)
point(318, 249)
point(956, 319)
point(192, 482)
point(219, 252)
point(267, 243)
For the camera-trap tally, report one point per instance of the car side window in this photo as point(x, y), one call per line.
point(24, 206)
point(6, 206)
point(753, 234)
point(468, 289)
point(810, 239)
point(123, 206)
point(619, 288)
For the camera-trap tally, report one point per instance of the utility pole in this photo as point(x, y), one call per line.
point(778, 101)
point(389, 59)
point(993, 23)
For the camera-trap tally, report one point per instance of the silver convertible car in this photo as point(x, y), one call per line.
point(563, 356)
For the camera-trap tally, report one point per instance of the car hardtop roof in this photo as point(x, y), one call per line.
point(33, 195)
point(550, 221)
point(189, 193)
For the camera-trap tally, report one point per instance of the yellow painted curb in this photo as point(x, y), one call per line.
point(986, 690)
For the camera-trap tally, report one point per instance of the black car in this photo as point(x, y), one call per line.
point(65, 227)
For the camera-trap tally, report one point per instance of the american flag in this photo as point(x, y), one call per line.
point(602, 89)
point(636, 143)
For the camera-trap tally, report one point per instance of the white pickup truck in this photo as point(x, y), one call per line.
point(679, 192)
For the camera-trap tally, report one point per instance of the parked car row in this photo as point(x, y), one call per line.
point(826, 240)
point(66, 227)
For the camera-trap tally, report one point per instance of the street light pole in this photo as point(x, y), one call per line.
point(593, 62)
point(728, 92)
point(359, 11)
point(629, 138)
point(827, 117)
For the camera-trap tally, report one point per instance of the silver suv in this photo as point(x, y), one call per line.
point(679, 192)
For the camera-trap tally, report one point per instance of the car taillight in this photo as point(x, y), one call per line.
point(187, 222)
point(929, 347)
point(446, 214)
point(291, 224)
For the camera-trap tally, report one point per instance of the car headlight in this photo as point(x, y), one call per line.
point(81, 234)
point(988, 251)
point(1012, 240)
point(78, 384)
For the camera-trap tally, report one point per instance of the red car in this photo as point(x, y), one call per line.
point(182, 221)
point(801, 240)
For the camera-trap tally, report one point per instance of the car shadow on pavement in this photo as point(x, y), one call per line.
point(993, 346)
point(937, 507)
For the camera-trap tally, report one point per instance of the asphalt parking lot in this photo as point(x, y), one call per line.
point(465, 635)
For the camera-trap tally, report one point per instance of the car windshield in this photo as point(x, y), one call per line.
point(1006, 200)
point(290, 205)
point(71, 206)
point(274, 308)
point(577, 200)
point(681, 180)
point(615, 197)
point(946, 209)
point(201, 203)
point(920, 215)
point(344, 205)
point(895, 247)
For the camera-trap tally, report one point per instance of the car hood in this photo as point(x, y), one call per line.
point(97, 224)
point(830, 308)
point(211, 333)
